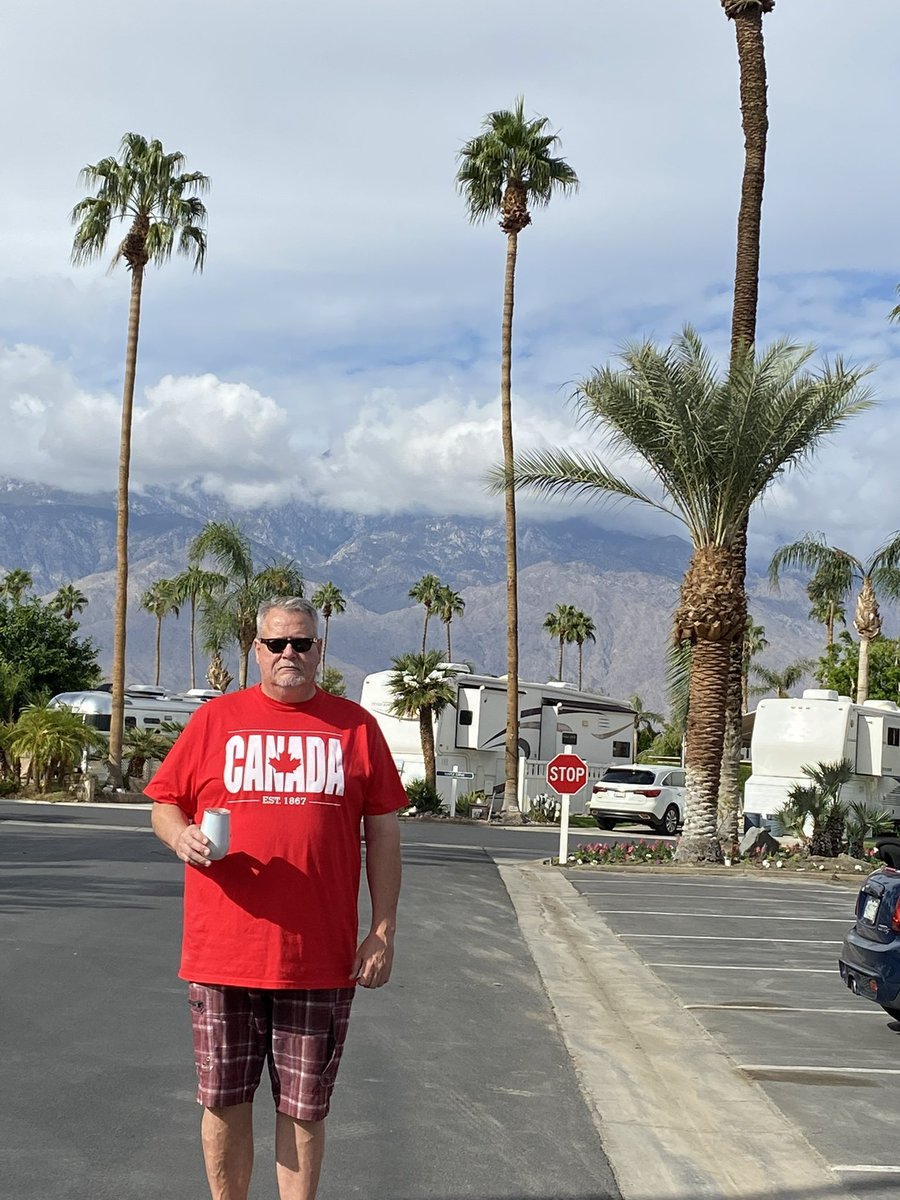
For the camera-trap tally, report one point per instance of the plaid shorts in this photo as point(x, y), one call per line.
point(300, 1034)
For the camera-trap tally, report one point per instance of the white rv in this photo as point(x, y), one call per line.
point(145, 707)
point(822, 726)
point(470, 736)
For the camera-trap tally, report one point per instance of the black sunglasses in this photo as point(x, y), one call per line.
point(299, 645)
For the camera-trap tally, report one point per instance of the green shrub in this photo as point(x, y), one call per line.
point(467, 799)
point(545, 809)
point(422, 797)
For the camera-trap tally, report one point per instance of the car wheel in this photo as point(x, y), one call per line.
point(671, 819)
point(892, 1012)
point(604, 822)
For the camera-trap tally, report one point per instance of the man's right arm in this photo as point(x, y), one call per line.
point(183, 838)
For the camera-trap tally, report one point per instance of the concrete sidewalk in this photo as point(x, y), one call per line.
point(676, 1118)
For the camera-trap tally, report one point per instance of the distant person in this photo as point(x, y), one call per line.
point(270, 947)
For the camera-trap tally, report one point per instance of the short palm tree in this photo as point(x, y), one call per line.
point(711, 445)
point(160, 599)
point(195, 587)
point(69, 601)
point(582, 630)
point(52, 739)
point(426, 592)
point(151, 191)
point(422, 689)
point(15, 584)
point(450, 605)
point(509, 168)
point(877, 575)
point(827, 602)
point(560, 624)
point(328, 599)
point(780, 682)
point(229, 614)
point(755, 641)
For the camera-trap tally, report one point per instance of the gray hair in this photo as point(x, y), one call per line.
point(291, 604)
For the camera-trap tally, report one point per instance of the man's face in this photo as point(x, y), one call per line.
point(288, 676)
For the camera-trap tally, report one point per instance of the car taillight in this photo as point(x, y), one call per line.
point(895, 918)
point(598, 788)
point(651, 792)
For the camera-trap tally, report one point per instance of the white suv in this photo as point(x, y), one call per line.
point(641, 794)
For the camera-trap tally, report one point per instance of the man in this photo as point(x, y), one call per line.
point(270, 930)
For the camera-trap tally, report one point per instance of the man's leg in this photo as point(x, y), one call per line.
point(227, 1137)
point(299, 1150)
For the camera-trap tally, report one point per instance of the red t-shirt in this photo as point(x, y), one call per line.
point(280, 909)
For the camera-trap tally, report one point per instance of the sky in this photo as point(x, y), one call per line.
point(342, 343)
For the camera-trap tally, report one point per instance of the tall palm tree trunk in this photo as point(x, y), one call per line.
point(324, 644)
point(158, 647)
point(246, 647)
point(193, 654)
point(425, 632)
point(426, 734)
point(704, 742)
point(862, 674)
point(559, 669)
point(449, 650)
point(120, 612)
point(755, 124)
point(510, 790)
point(580, 663)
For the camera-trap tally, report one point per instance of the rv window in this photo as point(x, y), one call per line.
point(151, 720)
point(130, 722)
point(100, 721)
point(894, 736)
point(621, 749)
point(570, 739)
point(465, 717)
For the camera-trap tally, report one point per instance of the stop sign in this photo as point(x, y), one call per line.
point(567, 774)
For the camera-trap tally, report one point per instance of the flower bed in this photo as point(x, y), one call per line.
point(623, 852)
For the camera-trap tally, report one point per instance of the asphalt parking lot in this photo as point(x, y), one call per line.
point(755, 961)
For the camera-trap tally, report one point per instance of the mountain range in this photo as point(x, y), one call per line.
point(628, 584)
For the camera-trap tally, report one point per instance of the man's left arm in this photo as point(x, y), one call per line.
point(375, 956)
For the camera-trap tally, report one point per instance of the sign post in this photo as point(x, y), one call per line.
point(566, 774)
point(455, 776)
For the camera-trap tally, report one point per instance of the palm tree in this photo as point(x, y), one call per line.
point(827, 605)
point(151, 190)
point(328, 599)
point(15, 584)
point(450, 604)
point(878, 574)
point(426, 592)
point(421, 687)
point(747, 17)
point(645, 722)
point(229, 614)
point(53, 740)
point(195, 586)
point(69, 601)
point(560, 624)
point(160, 599)
point(583, 630)
point(754, 643)
point(780, 682)
point(712, 447)
point(507, 168)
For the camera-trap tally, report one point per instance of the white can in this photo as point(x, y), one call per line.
point(216, 825)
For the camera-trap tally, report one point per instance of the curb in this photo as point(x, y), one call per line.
point(676, 1118)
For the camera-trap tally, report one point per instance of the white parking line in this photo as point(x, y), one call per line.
point(839, 899)
point(644, 912)
point(866, 1168)
point(783, 970)
point(79, 825)
point(788, 1008)
point(778, 882)
point(714, 937)
point(798, 1067)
